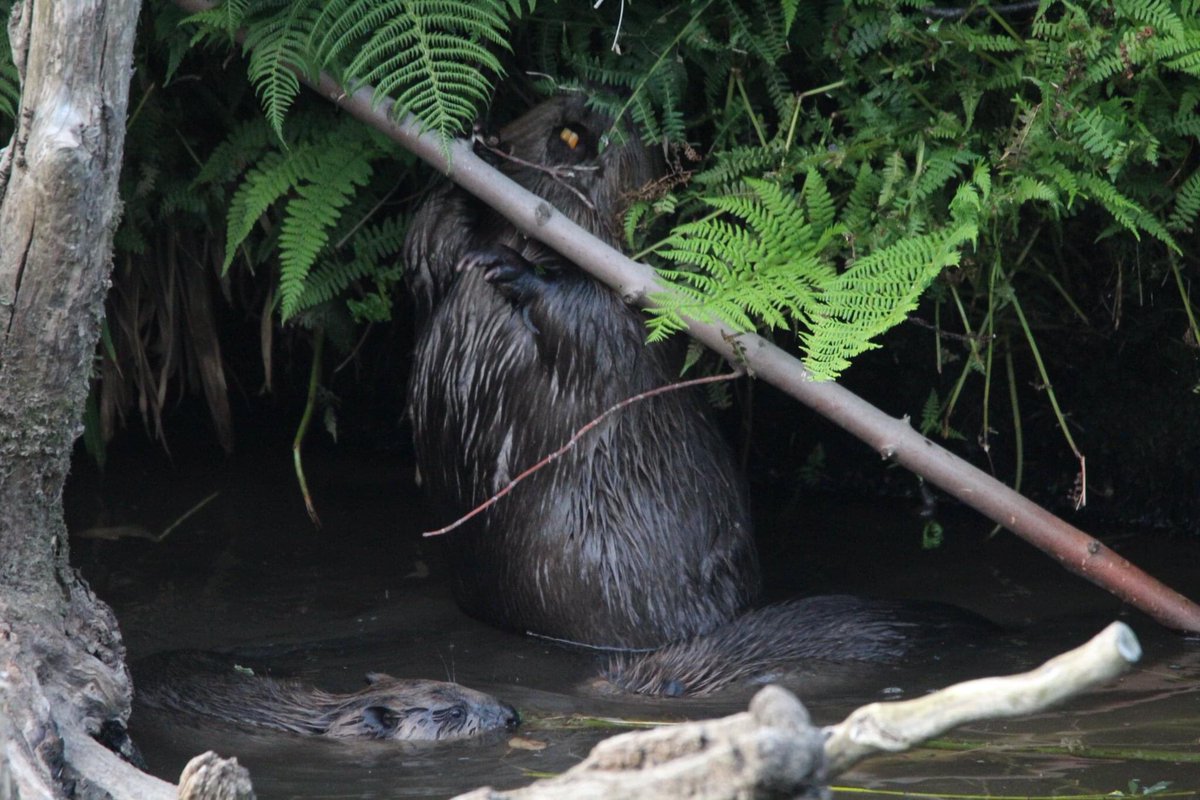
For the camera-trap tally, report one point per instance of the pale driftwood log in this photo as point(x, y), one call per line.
point(772, 752)
point(108, 775)
point(210, 777)
point(890, 727)
point(892, 438)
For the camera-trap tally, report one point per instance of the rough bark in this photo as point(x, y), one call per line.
point(61, 655)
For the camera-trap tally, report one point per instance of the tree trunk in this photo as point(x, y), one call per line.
point(62, 673)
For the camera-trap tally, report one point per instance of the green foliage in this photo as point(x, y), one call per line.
point(434, 58)
point(10, 90)
point(856, 153)
point(832, 162)
point(307, 184)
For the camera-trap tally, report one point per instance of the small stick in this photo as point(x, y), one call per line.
point(628, 401)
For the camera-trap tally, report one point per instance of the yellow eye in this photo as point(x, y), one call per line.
point(570, 137)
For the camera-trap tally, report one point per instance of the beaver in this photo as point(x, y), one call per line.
point(637, 537)
point(388, 708)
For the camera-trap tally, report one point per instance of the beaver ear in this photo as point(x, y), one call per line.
point(375, 677)
point(380, 721)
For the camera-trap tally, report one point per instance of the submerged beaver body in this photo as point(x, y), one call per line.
point(638, 536)
point(389, 708)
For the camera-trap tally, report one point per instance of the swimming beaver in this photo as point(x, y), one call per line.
point(389, 708)
point(638, 536)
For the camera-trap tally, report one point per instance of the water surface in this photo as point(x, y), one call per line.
point(250, 574)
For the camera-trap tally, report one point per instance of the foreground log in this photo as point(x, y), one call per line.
point(772, 751)
point(210, 777)
point(891, 727)
point(63, 678)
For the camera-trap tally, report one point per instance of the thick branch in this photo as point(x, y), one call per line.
point(891, 727)
point(771, 751)
point(892, 438)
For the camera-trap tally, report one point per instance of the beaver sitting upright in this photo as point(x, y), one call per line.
point(389, 708)
point(638, 536)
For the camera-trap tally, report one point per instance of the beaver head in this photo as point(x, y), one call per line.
point(416, 710)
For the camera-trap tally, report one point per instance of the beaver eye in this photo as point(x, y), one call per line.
point(380, 721)
point(450, 714)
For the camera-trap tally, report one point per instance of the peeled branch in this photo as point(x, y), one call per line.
point(772, 751)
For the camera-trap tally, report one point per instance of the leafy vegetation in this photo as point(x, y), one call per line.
point(837, 166)
point(10, 90)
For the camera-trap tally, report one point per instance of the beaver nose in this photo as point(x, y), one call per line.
point(512, 717)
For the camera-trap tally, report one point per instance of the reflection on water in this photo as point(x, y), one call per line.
point(250, 574)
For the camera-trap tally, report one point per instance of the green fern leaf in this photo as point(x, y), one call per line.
point(1157, 12)
point(1098, 133)
point(876, 293)
point(1187, 205)
point(245, 143)
point(277, 45)
point(373, 247)
point(432, 56)
point(227, 17)
point(942, 166)
point(1129, 214)
point(894, 171)
point(311, 215)
point(762, 259)
point(273, 176)
point(818, 203)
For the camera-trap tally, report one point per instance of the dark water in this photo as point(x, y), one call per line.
point(249, 573)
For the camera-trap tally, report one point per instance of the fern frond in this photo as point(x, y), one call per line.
point(1187, 205)
point(875, 294)
point(1129, 214)
point(1098, 133)
point(431, 56)
point(894, 171)
point(373, 247)
point(227, 17)
point(1188, 64)
point(1024, 189)
point(818, 202)
point(274, 175)
point(277, 45)
point(762, 259)
point(731, 166)
point(942, 166)
point(245, 143)
point(311, 215)
point(1157, 12)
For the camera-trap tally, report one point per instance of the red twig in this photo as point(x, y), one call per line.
point(628, 401)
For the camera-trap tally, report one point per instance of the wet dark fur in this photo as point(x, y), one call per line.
point(828, 627)
point(389, 708)
point(639, 536)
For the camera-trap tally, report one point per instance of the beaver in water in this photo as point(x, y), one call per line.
point(638, 536)
point(388, 708)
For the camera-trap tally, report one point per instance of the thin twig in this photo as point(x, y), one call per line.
point(182, 518)
point(628, 401)
point(558, 173)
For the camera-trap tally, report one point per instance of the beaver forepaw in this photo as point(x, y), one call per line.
point(514, 276)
